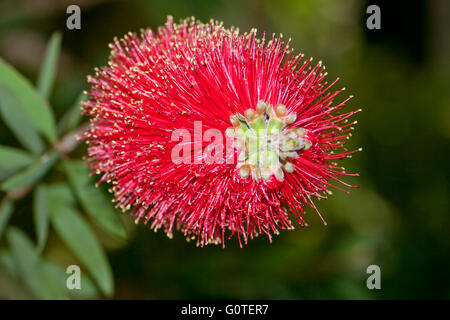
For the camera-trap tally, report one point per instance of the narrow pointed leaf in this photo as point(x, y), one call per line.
point(40, 215)
point(78, 236)
point(7, 262)
point(6, 209)
point(62, 192)
point(49, 65)
point(30, 267)
point(34, 104)
point(12, 160)
point(31, 174)
point(15, 117)
point(93, 200)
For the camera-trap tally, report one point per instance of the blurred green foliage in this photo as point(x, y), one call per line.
point(397, 219)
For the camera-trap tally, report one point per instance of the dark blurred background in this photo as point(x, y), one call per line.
point(397, 219)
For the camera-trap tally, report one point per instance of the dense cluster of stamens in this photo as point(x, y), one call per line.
point(264, 142)
point(286, 129)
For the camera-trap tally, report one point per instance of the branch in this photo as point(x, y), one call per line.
point(71, 140)
point(64, 146)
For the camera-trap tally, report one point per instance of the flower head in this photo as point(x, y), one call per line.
point(215, 133)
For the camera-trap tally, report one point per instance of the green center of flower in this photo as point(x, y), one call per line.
point(264, 143)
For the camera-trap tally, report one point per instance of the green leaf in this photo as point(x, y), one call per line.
point(34, 104)
point(15, 117)
point(31, 174)
point(49, 65)
point(31, 268)
point(12, 160)
point(93, 200)
point(62, 192)
point(87, 287)
point(72, 117)
point(40, 215)
point(7, 262)
point(6, 209)
point(77, 235)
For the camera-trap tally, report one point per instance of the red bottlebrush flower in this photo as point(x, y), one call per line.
point(169, 101)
